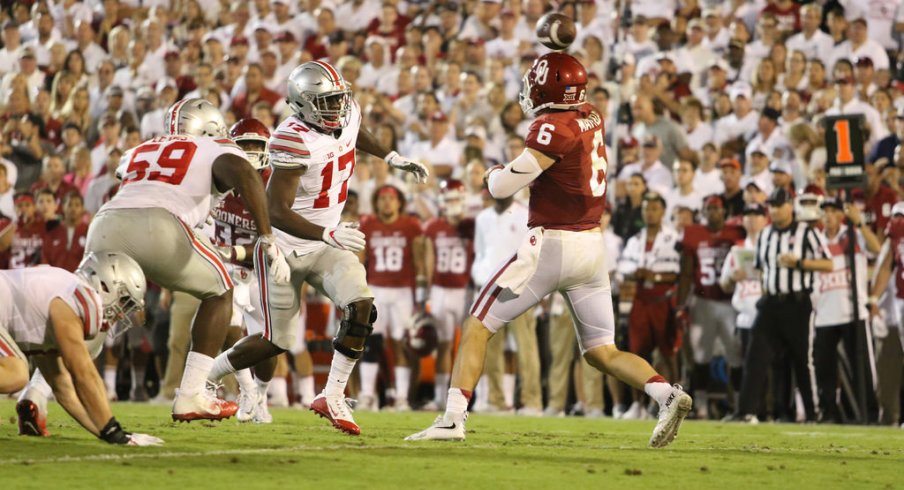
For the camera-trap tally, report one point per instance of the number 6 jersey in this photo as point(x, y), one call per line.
point(329, 162)
point(571, 194)
point(173, 172)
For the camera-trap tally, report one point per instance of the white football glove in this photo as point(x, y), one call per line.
point(279, 268)
point(144, 440)
point(345, 236)
point(398, 161)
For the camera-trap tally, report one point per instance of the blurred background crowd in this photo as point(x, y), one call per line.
point(700, 97)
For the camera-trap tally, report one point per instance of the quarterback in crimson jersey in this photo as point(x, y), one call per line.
point(704, 250)
point(394, 260)
point(565, 165)
point(449, 253)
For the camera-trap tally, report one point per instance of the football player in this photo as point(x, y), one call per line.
point(47, 314)
point(25, 249)
point(313, 156)
point(449, 252)
point(565, 165)
point(394, 259)
point(703, 251)
point(165, 193)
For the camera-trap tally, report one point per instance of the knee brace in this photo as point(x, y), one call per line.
point(350, 327)
point(373, 348)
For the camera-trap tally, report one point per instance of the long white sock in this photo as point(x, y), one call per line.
point(368, 372)
point(658, 389)
point(340, 370)
point(482, 395)
point(197, 367)
point(457, 402)
point(246, 381)
point(508, 390)
point(305, 386)
point(221, 367)
point(441, 388)
point(402, 382)
point(110, 379)
point(279, 389)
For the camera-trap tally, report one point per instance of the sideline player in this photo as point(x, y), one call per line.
point(394, 260)
point(47, 314)
point(313, 156)
point(703, 252)
point(449, 252)
point(565, 165)
point(166, 192)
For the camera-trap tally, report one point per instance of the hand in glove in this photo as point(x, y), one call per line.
point(279, 268)
point(345, 236)
point(398, 161)
point(144, 440)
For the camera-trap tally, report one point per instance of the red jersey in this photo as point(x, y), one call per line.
point(5, 226)
point(453, 251)
point(25, 251)
point(63, 247)
point(390, 251)
point(895, 232)
point(233, 223)
point(571, 194)
point(877, 209)
point(788, 18)
point(709, 250)
point(61, 192)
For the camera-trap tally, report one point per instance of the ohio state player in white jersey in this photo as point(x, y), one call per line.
point(313, 156)
point(166, 190)
point(48, 314)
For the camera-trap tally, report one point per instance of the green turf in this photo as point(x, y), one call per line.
point(301, 450)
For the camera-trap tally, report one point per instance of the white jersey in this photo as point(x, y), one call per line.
point(329, 162)
point(833, 289)
point(25, 296)
point(172, 172)
point(746, 292)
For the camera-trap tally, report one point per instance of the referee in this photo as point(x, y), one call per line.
point(788, 252)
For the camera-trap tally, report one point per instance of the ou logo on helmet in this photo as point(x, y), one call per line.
point(541, 71)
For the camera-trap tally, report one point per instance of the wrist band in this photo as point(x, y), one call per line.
point(238, 253)
point(113, 433)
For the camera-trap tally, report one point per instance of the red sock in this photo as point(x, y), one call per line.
point(656, 379)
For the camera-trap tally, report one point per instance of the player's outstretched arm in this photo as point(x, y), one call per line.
point(505, 181)
point(369, 143)
point(60, 382)
point(234, 172)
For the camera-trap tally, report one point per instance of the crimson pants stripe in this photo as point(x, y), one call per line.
point(262, 273)
point(209, 257)
point(490, 284)
point(489, 303)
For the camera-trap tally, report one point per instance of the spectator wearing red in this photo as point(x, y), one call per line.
point(52, 179)
point(25, 249)
point(787, 14)
point(173, 69)
point(317, 42)
point(64, 240)
point(253, 92)
point(390, 25)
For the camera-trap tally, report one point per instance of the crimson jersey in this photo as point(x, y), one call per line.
point(63, 247)
point(453, 251)
point(25, 251)
point(876, 210)
point(390, 251)
point(709, 250)
point(233, 223)
point(571, 194)
point(895, 232)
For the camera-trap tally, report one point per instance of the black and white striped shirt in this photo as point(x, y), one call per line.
point(800, 239)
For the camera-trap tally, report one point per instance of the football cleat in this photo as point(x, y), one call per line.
point(261, 411)
point(367, 403)
point(444, 428)
point(202, 406)
point(671, 414)
point(31, 421)
point(338, 410)
point(247, 405)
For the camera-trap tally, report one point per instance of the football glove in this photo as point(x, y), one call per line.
point(399, 162)
point(279, 268)
point(144, 440)
point(345, 236)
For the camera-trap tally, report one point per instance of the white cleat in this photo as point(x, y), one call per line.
point(671, 414)
point(444, 428)
point(247, 404)
point(261, 413)
point(203, 405)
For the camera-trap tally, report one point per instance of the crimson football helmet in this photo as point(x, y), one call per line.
point(256, 137)
point(555, 81)
point(421, 338)
point(452, 197)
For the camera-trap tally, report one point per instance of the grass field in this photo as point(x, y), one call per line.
point(301, 450)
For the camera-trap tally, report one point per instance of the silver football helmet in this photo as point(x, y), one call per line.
point(195, 117)
point(120, 282)
point(319, 95)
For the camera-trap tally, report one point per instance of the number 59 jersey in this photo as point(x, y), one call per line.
point(172, 172)
point(571, 194)
point(329, 162)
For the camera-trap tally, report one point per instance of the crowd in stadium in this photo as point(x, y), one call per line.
point(712, 111)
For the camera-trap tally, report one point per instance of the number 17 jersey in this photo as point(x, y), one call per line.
point(571, 194)
point(173, 172)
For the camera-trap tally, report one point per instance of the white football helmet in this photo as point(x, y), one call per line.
point(120, 282)
point(319, 95)
point(195, 117)
point(808, 207)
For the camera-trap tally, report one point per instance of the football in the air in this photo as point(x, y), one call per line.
point(556, 31)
